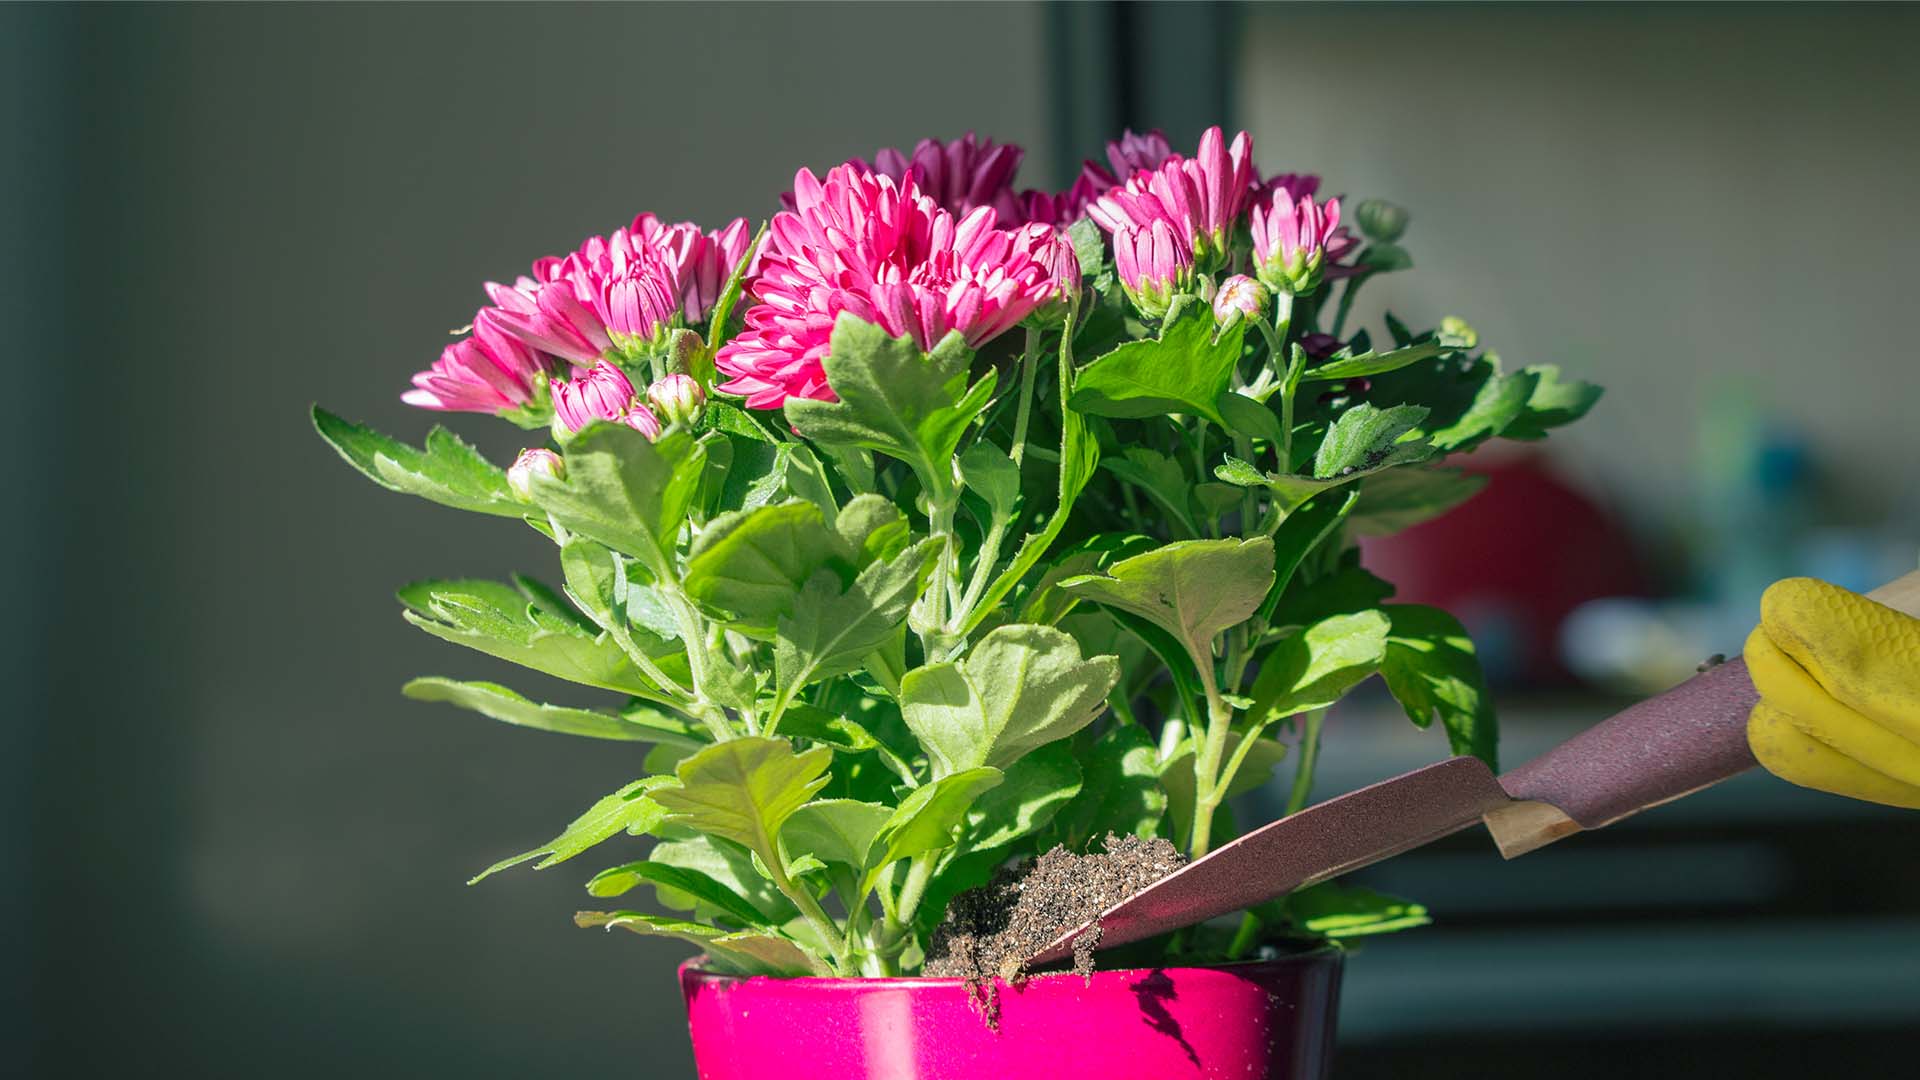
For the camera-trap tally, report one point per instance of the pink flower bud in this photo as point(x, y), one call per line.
point(1154, 265)
point(641, 419)
point(530, 463)
point(1240, 297)
point(1296, 241)
point(604, 393)
point(678, 398)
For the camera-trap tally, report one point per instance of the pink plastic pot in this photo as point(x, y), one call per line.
point(1267, 1020)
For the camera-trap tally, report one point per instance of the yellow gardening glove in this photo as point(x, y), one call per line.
point(1839, 682)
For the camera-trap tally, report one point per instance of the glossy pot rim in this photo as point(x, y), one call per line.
point(1325, 952)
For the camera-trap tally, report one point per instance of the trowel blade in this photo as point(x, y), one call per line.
point(1321, 842)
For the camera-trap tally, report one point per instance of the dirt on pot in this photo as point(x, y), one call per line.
point(989, 932)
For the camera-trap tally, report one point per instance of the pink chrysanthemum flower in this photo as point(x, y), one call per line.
point(1051, 250)
point(488, 372)
point(959, 176)
point(701, 261)
point(620, 290)
point(1201, 197)
point(1129, 155)
point(1296, 241)
point(1154, 265)
point(604, 393)
point(861, 243)
point(1296, 185)
point(1060, 209)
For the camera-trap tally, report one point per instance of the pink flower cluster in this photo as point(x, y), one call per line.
point(1176, 218)
point(613, 292)
point(863, 243)
point(964, 174)
point(919, 244)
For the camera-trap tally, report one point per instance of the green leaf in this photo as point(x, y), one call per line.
point(1212, 501)
point(1366, 439)
point(1034, 789)
point(1176, 776)
point(1363, 441)
point(1431, 667)
point(745, 789)
point(1346, 590)
point(1089, 247)
point(631, 809)
point(727, 863)
point(499, 703)
point(895, 400)
point(1184, 370)
point(1046, 604)
point(719, 329)
point(1161, 479)
point(752, 564)
point(1018, 688)
point(1305, 529)
point(804, 721)
point(767, 473)
point(500, 621)
point(1401, 498)
point(1079, 457)
point(988, 472)
point(1371, 363)
point(837, 831)
point(447, 471)
point(931, 817)
point(624, 491)
point(1251, 418)
point(1498, 401)
point(744, 953)
point(1119, 790)
point(726, 417)
point(1344, 911)
point(872, 529)
point(1317, 666)
point(1552, 403)
point(692, 883)
point(1192, 589)
point(834, 626)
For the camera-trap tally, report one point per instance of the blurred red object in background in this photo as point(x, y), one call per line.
point(1512, 562)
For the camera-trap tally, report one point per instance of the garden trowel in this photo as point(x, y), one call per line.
point(1688, 738)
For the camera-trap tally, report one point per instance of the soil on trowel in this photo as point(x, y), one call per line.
point(989, 932)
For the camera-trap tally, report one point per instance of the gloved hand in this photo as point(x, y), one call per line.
point(1839, 682)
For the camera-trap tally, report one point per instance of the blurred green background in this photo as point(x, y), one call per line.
point(234, 848)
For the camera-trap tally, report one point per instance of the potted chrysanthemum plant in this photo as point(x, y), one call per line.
point(954, 555)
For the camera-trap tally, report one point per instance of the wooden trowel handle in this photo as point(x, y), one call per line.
point(1688, 738)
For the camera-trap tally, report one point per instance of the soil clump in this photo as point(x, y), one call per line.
point(988, 932)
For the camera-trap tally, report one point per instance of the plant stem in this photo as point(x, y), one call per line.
point(1245, 936)
point(1278, 358)
point(1309, 756)
point(810, 908)
point(983, 564)
point(1346, 302)
point(898, 923)
point(1029, 369)
point(1208, 791)
point(919, 873)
